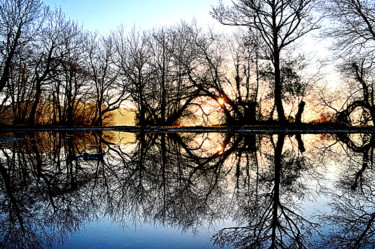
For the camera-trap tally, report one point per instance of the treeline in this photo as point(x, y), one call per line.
point(52, 71)
point(55, 72)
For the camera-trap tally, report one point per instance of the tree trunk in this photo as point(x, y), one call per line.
point(100, 113)
point(301, 107)
point(38, 93)
point(278, 87)
point(301, 145)
point(276, 188)
point(250, 113)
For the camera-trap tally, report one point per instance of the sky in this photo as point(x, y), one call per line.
point(106, 15)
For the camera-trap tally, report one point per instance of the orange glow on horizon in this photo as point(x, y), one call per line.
point(221, 101)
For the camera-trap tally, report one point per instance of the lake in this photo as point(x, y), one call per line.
point(108, 189)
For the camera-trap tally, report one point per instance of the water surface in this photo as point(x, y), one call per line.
point(186, 190)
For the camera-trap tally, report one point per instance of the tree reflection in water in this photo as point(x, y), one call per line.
point(42, 192)
point(351, 221)
point(269, 205)
point(53, 183)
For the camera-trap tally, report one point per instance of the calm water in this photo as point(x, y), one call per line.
point(123, 190)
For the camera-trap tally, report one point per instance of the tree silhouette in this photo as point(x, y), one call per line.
point(20, 21)
point(154, 65)
point(231, 77)
point(352, 30)
point(106, 78)
point(280, 24)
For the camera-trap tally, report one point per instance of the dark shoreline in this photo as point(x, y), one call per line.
point(270, 128)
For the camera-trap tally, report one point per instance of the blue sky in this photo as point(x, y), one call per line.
point(103, 15)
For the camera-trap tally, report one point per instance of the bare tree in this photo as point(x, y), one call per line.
point(132, 59)
point(235, 73)
point(171, 51)
point(46, 58)
point(110, 89)
point(353, 26)
point(280, 24)
point(20, 20)
point(360, 79)
point(294, 88)
point(19, 90)
point(154, 63)
point(70, 82)
point(229, 76)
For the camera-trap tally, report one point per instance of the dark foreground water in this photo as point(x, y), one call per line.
point(186, 190)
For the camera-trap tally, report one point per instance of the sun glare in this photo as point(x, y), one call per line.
point(220, 149)
point(221, 101)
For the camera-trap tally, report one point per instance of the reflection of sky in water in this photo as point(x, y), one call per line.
point(107, 234)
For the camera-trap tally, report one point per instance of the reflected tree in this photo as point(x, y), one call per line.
point(351, 221)
point(360, 151)
point(268, 207)
point(162, 183)
point(42, 193)
point(351, 217)
point(53, 182)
